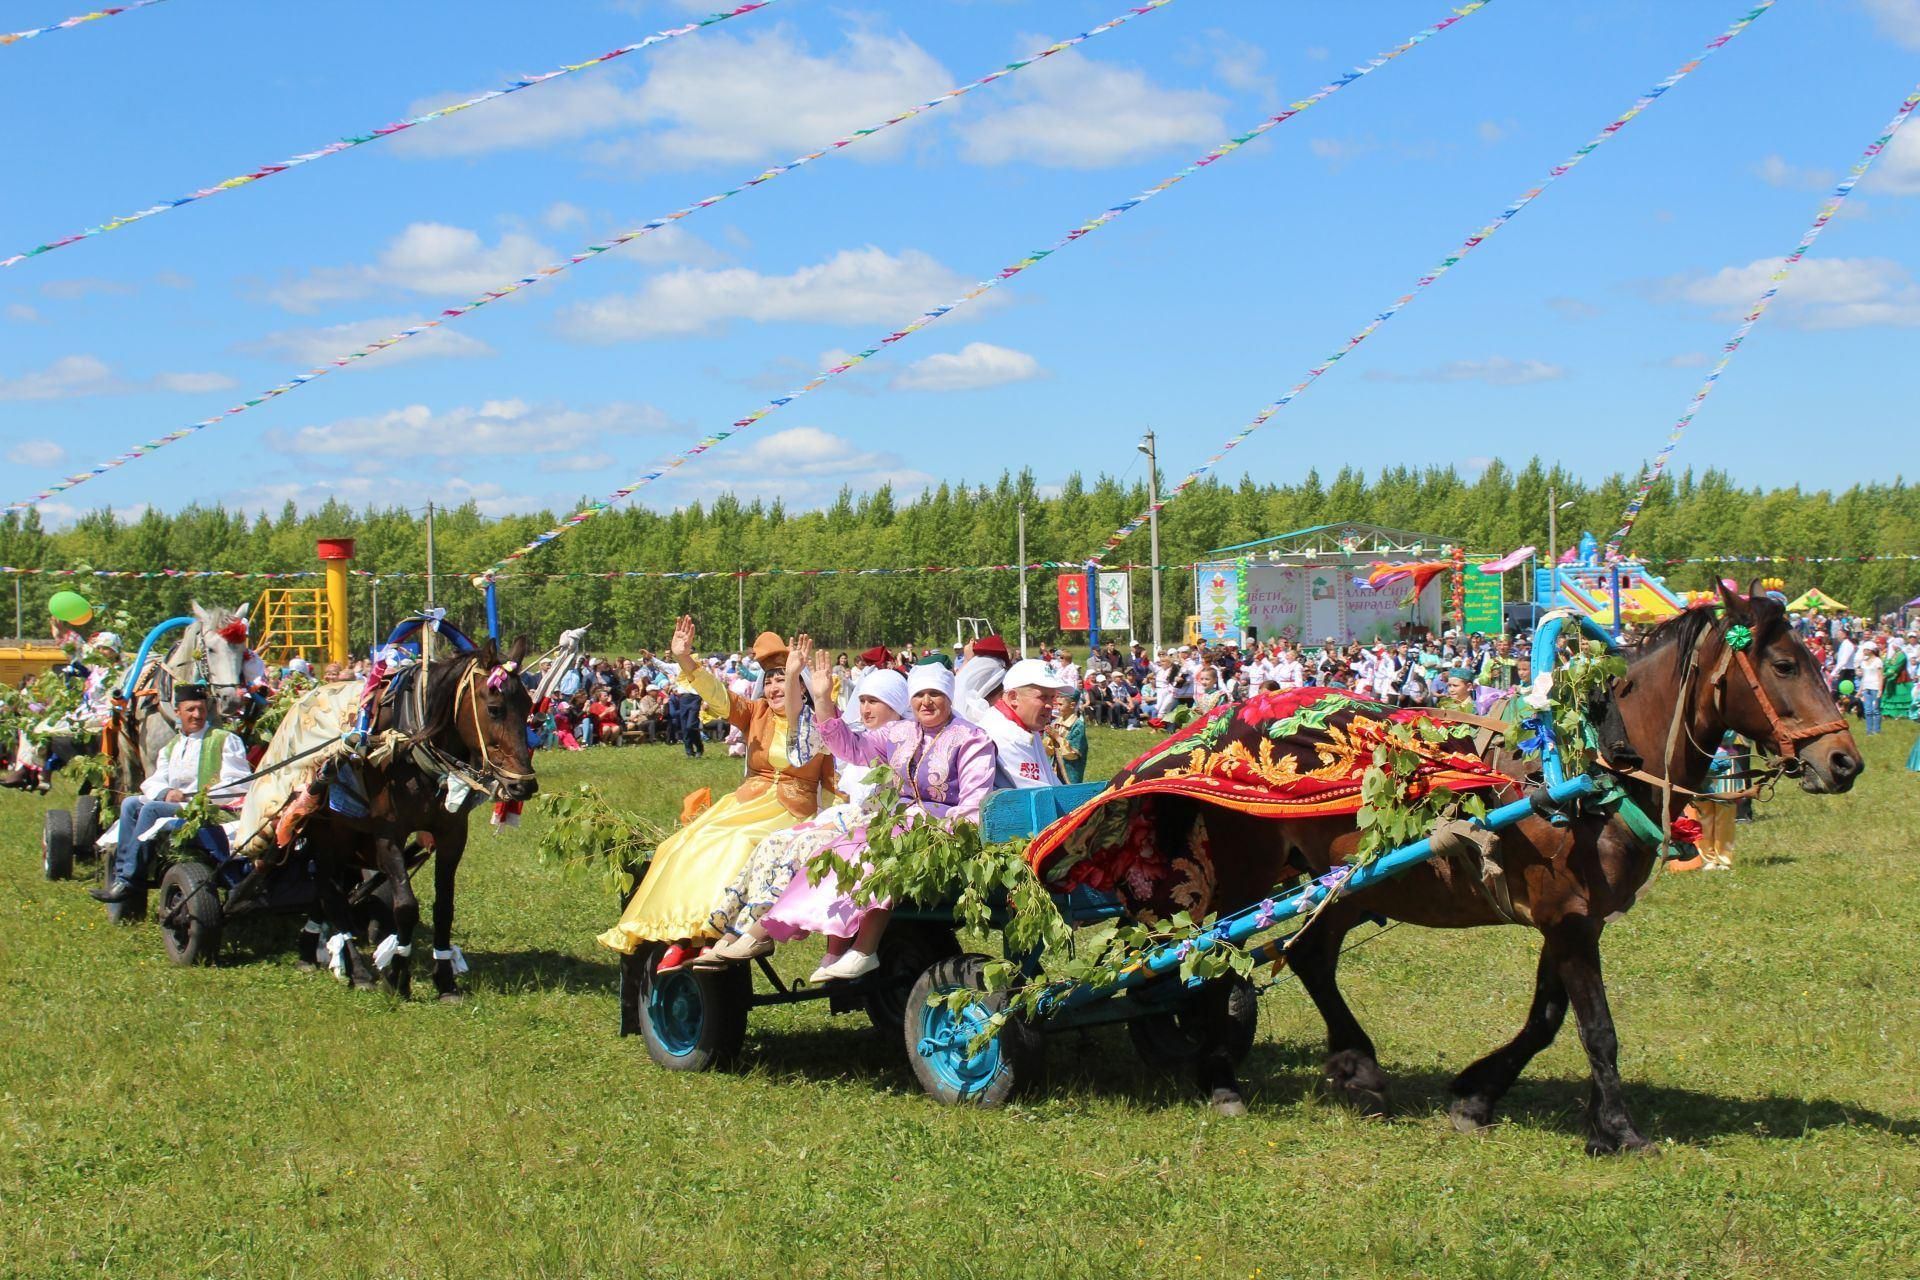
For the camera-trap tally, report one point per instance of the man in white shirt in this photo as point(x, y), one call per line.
point(1289, 672)
point(198, 759)
point(1017, 723)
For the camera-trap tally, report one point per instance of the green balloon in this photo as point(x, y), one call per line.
point(1846, 688)
point(70, 606)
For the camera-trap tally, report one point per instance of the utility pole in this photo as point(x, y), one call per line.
point(1153, 532)
point(20, 619)
point(429, 555)
point(1022, 553)
point(375, 584)
point(740, 602)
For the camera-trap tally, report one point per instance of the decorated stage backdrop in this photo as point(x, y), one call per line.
point(1307, 603)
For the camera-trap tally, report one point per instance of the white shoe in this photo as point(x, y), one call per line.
point(851, 964)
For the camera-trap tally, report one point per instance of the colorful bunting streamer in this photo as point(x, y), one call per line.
point(1006, 273)
point(75, 21)
point(1472, 242)
point(1779, 277)
point(356, 140)
point(697, 575)
point(590, 252)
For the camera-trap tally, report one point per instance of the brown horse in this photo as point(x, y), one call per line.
point(469, 741)
point(1685, 687)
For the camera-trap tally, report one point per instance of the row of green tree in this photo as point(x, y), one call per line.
point(949, 526)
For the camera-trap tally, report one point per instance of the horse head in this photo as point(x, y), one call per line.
point(218, 654)
point(488, 714)
point(1738, 667)
point(1775, 694)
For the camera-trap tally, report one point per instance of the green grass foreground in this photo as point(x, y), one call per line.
point(250, 1120)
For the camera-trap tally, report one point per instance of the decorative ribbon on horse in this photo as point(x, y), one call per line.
point(590, 252)
point(1446, 264)
point(360, 139)
point(991, 282)
point(79, 19)
point(1779, 277)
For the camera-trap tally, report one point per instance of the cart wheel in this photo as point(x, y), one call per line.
point(907, 950)
point(56, 844)
point(86, 826)
point(693, 1019)
point(937, 1039)
point(189, 900)
point(1171, 1041)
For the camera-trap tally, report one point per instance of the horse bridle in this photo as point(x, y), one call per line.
point(1787, 736)
point(489, 769)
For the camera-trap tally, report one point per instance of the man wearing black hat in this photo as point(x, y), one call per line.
point(197, 759)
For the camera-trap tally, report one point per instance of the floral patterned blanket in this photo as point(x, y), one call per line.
point(1299, 753)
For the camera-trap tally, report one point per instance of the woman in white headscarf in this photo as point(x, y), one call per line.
point(944, 767)
point(880, 698)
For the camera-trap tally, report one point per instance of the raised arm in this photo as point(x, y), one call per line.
point(714, 694)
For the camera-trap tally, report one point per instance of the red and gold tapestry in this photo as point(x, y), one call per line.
point(1298, 753)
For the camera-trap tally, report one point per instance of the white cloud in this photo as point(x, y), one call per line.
point(427, 257)
point(1776, 172)
point(722, 98)
point(1338, 151)
point(193, 383)
point(21, 313)
point(563, 216)
point(976, 365)
point(37, 453)
point(1081, 114)
point(1822, 293)
point(495, 428)
point(1573, 308)
point(1236, 63)
point(1898, 20)
point(1495, 371)
point(1686, 360)
point(805, 466)
point(67, 377)
point(1897, 172)
point(380, 492)
point(86, 375)
point(317, 346)
point(86, 286)
point(855, 286)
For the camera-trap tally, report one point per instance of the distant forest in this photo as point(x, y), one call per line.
point(950, 526)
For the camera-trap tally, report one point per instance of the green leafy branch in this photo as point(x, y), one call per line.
point(588, 834)
point(1396, 809)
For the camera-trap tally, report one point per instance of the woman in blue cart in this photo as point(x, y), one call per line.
point(945, 768)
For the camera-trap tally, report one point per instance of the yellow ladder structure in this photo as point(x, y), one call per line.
point(292, 621)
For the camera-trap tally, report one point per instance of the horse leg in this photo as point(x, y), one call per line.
point(339, 917)
point(392, 861)
point(1479, 1088)
point(1352, 1071)
point(1214, 1067)
point(1576, 948)
point(448, 846)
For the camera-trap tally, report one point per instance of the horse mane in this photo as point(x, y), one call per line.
point(1684, 628)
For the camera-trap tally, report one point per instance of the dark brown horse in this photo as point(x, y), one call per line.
point(469, 741)
point(1685, 687)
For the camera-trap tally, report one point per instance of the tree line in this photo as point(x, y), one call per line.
point(954, 526)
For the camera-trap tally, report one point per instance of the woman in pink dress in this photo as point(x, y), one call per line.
point(945, 770)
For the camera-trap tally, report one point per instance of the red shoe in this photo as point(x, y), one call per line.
point(673, 957)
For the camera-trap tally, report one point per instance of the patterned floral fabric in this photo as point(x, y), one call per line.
point(1296, 753)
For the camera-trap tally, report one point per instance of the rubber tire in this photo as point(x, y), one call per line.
point(907, 950)
point(86, 827)
point(693, 1019)
point(56, 845)
point(196, 939)
point(1012, 1064)
point(1168, 1041)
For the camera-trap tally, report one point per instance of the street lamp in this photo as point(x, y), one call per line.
point(1553, 545)
point(1146, 446)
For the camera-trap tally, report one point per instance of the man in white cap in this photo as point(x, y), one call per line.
point(1017, 722)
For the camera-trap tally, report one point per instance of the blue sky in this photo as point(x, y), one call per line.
point(1578, 333)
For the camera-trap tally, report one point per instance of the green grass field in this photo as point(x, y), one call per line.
point(251, 1120)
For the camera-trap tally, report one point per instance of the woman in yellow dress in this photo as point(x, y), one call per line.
point(693, 865)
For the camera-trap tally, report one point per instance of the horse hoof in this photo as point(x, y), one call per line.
point(452, 997)
point(1631, 1142)
point(1470, 1115)
point(1228, 1103)
point(1358, 1081)
point(305, 966)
